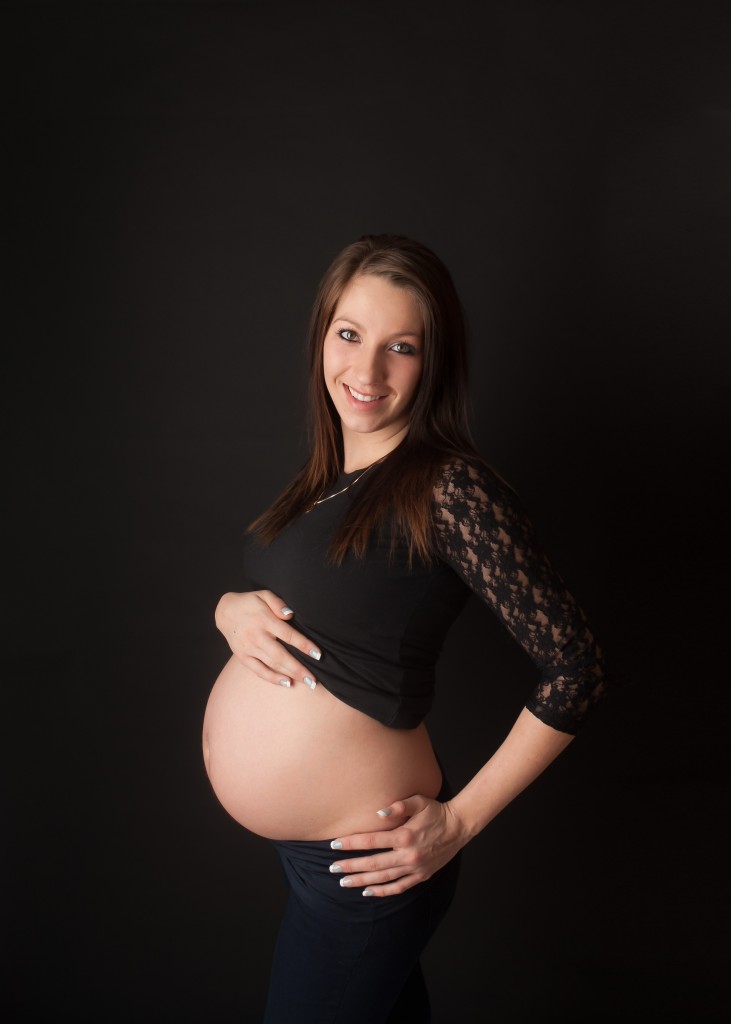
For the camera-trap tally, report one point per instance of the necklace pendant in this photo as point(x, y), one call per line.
point(347, 488)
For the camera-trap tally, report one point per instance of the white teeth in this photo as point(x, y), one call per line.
point(362, 398)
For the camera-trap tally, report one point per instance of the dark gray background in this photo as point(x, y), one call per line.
point(182, 175)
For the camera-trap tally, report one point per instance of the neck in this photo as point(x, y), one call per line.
point(361, 450)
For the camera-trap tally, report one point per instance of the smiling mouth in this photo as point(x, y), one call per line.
point(361, 397)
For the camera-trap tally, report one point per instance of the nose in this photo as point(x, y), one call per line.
point(369, 368)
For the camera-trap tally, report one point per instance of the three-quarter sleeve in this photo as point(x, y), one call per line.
point(483, 534)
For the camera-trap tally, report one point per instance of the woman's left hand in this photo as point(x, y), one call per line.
point(431, 836)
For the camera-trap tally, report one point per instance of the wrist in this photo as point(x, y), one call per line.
point(475, 808)
point(463, 827)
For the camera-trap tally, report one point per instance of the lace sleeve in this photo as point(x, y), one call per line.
point(485, 536)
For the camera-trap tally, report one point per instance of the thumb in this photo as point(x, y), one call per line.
point(404, 808)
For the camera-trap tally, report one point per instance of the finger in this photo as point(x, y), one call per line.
point(372, 878)
point(398, 861)
point(268, 663)
point(283, 630)
point(289, 635)
point(264, 672)
point(392, 838)
point(389, 839)
point(276, 604)
point(393, 888)
point(278, 659)
point(404, 808)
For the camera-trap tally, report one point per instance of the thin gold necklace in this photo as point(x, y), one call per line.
point(360, 475)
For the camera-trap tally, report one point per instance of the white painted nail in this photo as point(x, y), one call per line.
point(315, 654)
point(334, 868)
point(385, 812)
point(287, 611)
point(336, 844)
point(368, 892)
point(284, 682)
point(345, 882)
point(310, 682)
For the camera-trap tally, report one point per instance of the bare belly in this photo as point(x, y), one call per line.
point(300, 764)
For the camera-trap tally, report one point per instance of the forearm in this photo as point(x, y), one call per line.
point(528, 749)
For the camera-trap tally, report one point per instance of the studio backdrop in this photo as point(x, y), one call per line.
point(183, 173)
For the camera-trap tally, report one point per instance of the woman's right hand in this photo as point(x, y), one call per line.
point(253, 623)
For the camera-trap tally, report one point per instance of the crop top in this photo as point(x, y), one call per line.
point(380, 624)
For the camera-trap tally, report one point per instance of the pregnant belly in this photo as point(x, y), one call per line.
point(300, 764)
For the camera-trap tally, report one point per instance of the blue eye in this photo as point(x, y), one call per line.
point(403, 348)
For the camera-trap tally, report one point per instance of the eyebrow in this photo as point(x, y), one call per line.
point(400, 334)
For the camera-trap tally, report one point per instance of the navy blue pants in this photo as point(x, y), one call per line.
point(341, 956)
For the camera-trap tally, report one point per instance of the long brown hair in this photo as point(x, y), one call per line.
point(400, 488)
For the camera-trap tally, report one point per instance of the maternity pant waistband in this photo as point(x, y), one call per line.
point(306, 864)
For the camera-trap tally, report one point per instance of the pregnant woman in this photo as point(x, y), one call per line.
point(314, 733)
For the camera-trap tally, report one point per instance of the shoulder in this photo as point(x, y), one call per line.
point(471, 479)
point(471, 500)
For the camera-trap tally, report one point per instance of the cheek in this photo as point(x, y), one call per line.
point(412, 381)
point(330, 363)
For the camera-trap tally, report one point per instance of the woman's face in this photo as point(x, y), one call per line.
point(372, 358)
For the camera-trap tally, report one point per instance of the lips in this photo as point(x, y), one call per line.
point(362, 398)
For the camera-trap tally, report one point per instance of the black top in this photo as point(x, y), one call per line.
point(380, 625)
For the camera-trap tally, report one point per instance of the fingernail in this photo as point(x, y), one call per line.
point(336, 844)
point(385, 812)
point(311, 683)
point(315, 654)
point(284, 682)
point(334, 868)
point(346, 882)
point(287, 611)
point(368, 892)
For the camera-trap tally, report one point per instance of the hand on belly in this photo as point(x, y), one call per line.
point(300, 764)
